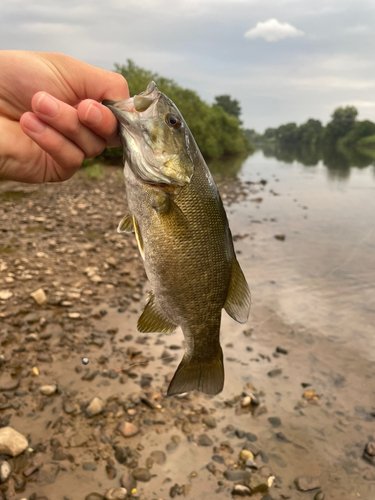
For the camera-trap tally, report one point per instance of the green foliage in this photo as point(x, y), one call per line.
point(94, 171)
point(368, 141)
point(216, 132)
point(342, 122)
point(229, 105)
point(361, 130)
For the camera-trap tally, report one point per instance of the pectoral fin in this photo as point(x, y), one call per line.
point(152, 320)
point(238, 299)
point(139, 238)
point(170, 214)
point(126, 224)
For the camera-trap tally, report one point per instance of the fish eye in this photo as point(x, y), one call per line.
point(173, 120)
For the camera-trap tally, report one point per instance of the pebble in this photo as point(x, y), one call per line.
point(246, 455)
point(307, 483)
point(128, 482)
point(5, 294)
point(319, 496)
point(12, 442)
point(5, 470)
point(141, 474)
point(369, 453)
point(89, 466)
point(241, 491)
point(236, 475)
point(281, 350)
point(210, 422)
point(275, 372)
point(159, 457)
point(204, 440)
point(128, 429)
point(8, 383)
point(48, 390)
point(274, 421)
point(260, 410)
point(39, 296)
point(95, 407)
point(74, 315)
point(116, 494)
point(69, 407)
point(246, 401)
point(94, 496)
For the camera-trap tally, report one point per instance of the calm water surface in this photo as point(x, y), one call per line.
point(323, 274)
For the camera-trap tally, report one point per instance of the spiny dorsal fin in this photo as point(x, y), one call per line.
point(126, 224)
point(152, 320)
point(139, 237)
point(238, 299)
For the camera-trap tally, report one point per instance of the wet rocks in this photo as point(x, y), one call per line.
point(159, 457)
point(141, 474)
point(12, 443)
point(369, 453)
point(5, 470)
point(95, 407)
point(127, 429)
point(210, 421)
point(48, 390)
point(116, 494)
point(307, 483)
point(204, 440)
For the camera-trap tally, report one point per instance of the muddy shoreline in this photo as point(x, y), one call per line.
point(284, 413)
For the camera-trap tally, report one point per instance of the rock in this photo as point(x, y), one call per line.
point(159, 457)
point(275, 372)
point(5, 470)
point(128, 429)
point(319, 496)
point(48, 390)
point(204, 440)
point(307, 483)
point(280, 237)
point(39, 296)
point(369, 453)
point(281, 350)
point(246, 401)
point(8, 383)
point(81, 437)
point(246, 455)
point(95, 407)
point(141, 474)
point(128, 482)
point(12, 442)
point(171, 446)
point(94, 496)
point(69, 407)
point(5, 294)
point(116, 494)
point(44, 357)
point(310, 395)
point(260, 410)
point(48, 473)
point(210, 421)
point(218, 458)
point(236, 474)
point(122, 454)
point(274, 421)
point(89, 466)
point(241, 491)
point(74, 315)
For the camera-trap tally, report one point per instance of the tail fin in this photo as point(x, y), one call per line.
point(206, 377)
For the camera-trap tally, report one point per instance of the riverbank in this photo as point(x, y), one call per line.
point(295, 404)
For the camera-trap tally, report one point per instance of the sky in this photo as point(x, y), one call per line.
point(283, 60)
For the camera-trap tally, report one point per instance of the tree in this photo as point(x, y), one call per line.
point(229, 105)
point(342, 122)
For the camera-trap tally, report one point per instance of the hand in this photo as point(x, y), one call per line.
point(66, 124)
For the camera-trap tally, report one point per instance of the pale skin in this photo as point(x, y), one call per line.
point(51, 118)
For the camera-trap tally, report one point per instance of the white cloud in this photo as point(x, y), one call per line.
point(357, 104)
point(360, 29)
point(272, 30)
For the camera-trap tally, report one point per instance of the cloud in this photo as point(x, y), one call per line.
point(360, 29)
point(272, 30)
point(357, 104)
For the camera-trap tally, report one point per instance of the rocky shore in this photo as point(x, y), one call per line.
point(83, 406)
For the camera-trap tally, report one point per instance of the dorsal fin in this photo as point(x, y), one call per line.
point(152, 320)
point(238, 299)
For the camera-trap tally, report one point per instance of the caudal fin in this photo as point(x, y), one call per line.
point(206, 377)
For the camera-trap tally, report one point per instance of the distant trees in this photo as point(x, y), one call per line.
point(342, 122)
point(229, 105)
point(217, 131)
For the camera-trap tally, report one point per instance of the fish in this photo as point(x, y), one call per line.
point(181, 227)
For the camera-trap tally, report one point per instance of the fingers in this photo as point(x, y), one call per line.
point(64, 119)
point(100, 120)
point(66, 157)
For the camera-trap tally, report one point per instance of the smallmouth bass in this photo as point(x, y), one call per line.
point(183, 235)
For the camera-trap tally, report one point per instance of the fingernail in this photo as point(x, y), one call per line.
point(35, 125)
point(93, 115)
point(47, 105)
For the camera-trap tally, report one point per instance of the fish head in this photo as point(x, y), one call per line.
point(155, 138)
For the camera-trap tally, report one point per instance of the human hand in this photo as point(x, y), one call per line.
point(50, 117)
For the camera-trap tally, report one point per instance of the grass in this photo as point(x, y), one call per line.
point(94, 171)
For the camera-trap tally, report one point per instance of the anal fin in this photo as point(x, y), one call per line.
point(238, 299)
point(152, 320)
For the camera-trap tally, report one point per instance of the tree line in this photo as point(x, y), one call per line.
point(216, 128)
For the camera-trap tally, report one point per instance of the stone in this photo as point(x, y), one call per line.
point(69, 407)
point(260, 410)
point(159, 457)
point(204, 440)
point(5, 470)
point(8, 383)
point(12, 442)
point(94, 496)
point(48, 390)
point(128, 429)
point(281, 350)
point(141, 474)
point(39, 296)
point(275, 372)
point(128, 482)
point(307, 483)
point(210, 421)
point(95, 407)
point(89, 466)
point(246, 455)
point(74, 315)
point(319, 496)
point(369, 453)
point(236, 474)
point(48, 473)
point(116, 494)
point(274, 421)
point(246, 401)
point(5, 294)
point(241, 490)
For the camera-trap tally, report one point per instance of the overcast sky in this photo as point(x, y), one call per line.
point(284, 60)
